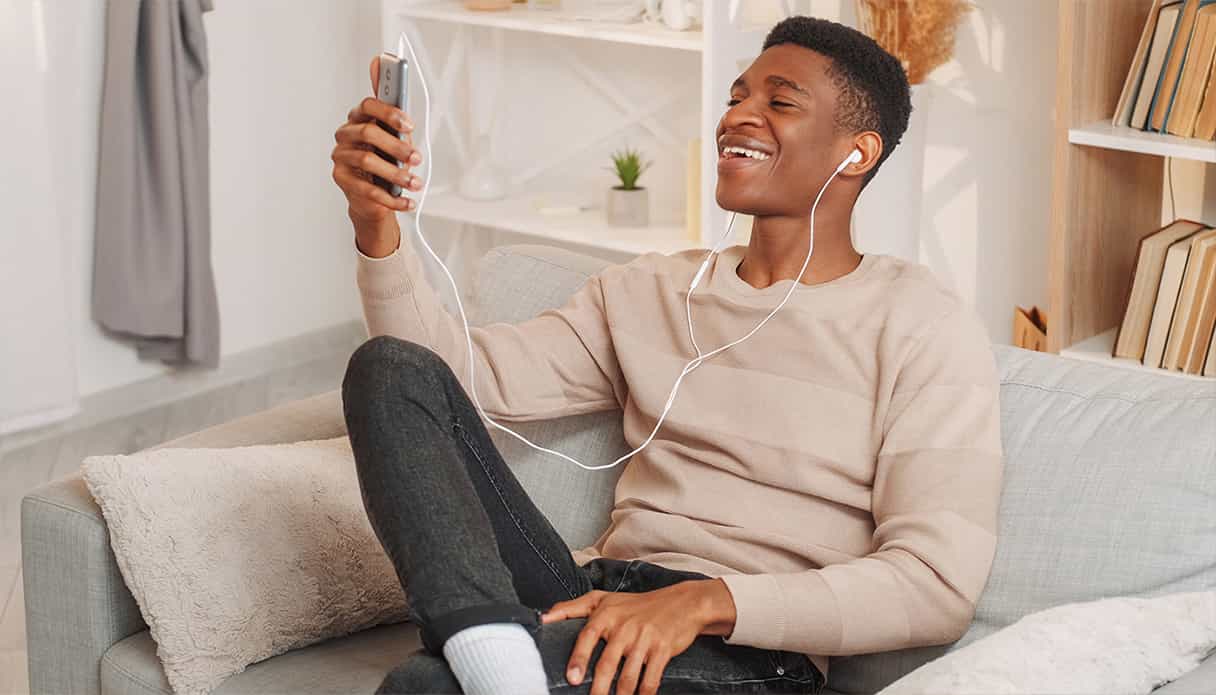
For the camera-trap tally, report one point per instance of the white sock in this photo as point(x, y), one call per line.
point(496, 659)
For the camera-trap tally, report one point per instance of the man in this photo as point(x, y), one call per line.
point(827, 487)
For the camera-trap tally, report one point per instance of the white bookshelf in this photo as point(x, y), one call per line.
point(586, 228)
point(555, 22)
point(1100, 348)
point(1112, 137)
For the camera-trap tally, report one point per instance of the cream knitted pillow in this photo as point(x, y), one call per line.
point(236, 555)
point(1112, 646)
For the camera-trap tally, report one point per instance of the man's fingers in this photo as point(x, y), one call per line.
point(372, 163)
point(656, 663)
point(576, 667)
point(370, 133)
point(631, 672)
point(580, 607)
point(391, 115)
point(605, 668)
point(371, 109)
point(353, 184)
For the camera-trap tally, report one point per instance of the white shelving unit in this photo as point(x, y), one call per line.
point(584, 228)
point(553, 22)
point(1109, 136)
point(724, 42)
point(1100, 348)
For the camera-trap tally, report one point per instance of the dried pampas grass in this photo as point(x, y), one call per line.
point(920, 33)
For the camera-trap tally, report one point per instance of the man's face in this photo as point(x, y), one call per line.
point(783, 108)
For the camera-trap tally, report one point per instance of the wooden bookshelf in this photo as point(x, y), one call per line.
point(1105, 193)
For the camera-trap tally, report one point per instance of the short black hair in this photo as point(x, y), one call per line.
point(874, 90)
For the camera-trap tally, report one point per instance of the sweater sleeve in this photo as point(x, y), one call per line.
point(935, 498)
point(561, 362)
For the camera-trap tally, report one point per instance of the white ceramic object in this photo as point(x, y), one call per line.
point(483, 180)
point(628, 208)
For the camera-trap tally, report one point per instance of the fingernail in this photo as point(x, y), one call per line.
point(575, 673)
point(415, 158)
point(405, 124)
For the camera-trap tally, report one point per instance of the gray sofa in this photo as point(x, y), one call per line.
point(1109, 489)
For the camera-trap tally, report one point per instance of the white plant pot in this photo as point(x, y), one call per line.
point(887, 218)
point(628, 208)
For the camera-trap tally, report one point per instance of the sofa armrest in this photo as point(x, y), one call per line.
point(76, 603)
point(1200, 681)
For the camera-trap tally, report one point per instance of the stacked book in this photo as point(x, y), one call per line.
point(1170, 321)
point(1169, 86)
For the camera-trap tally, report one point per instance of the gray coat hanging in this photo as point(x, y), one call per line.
point(152, 275)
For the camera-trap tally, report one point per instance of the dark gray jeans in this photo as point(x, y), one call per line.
point(471, 548)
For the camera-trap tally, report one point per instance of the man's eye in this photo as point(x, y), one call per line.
point(780, 103)
point(732, 102)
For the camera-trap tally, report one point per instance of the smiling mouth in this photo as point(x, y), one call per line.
point(735, 152)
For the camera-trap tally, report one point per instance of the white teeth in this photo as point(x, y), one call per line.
point(754, 154)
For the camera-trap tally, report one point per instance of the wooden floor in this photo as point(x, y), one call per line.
point(31, 465)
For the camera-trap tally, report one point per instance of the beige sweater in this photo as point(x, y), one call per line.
point(840, 470)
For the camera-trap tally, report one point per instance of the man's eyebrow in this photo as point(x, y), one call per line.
point(779, 81)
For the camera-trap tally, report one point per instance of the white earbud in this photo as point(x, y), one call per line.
point(853, 158)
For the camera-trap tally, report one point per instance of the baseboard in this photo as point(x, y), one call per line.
point(184, 383)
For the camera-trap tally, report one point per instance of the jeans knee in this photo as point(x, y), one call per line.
point(387, 354)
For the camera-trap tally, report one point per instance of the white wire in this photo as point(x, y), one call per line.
point(688, 368)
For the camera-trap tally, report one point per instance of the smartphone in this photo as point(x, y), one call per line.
point(394, 71)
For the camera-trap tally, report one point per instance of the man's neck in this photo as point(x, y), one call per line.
point(778, 248)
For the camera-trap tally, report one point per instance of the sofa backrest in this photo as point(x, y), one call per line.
point(1109, 483)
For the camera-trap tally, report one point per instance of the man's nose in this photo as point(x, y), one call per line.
point(742, 113)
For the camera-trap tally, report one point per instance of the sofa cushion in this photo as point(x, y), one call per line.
point(1112, 645)
point(238, 554)
point(352, 664)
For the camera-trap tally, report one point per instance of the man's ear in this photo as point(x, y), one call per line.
point(869, 144)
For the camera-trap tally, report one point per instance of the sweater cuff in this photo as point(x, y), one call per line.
point(760, 610)
point(382, 279)
point(789, 612)
point(369, 259)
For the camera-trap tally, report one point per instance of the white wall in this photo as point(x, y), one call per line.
point(986, 216)
point(283, 75)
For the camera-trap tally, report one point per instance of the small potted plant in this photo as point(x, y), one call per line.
point(628, 204)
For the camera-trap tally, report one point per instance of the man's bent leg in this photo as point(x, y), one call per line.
point(468, 544)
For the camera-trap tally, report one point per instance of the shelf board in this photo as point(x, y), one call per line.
point(554, 22)
point(1105, 134)
point(1100, 347)
point(588, 228)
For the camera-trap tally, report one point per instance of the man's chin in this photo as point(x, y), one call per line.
point(742, 204)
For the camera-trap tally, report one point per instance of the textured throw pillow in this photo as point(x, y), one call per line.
point(1113, 646)
point(236, 555)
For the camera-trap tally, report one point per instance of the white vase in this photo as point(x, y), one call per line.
point(887, 218)
point(482, 180)
point(628, 208)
